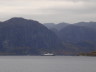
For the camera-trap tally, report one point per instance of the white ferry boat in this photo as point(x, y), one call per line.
point(48, 54)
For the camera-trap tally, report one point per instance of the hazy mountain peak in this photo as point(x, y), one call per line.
point(16, 18)
point(63, 23)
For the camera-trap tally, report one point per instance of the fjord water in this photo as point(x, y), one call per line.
point(47, 64)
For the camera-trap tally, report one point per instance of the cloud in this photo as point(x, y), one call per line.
point(49, 10)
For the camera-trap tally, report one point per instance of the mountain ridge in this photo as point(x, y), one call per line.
point(19, 36)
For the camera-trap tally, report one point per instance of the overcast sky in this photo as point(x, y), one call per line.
point(46, 11)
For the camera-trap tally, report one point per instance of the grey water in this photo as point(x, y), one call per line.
point(47, 64)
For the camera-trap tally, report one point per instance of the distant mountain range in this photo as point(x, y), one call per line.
point(78, 37)
point(56, 26)
point(60, 26)
point(19, 36)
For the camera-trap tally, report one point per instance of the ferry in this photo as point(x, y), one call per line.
point(48, 54)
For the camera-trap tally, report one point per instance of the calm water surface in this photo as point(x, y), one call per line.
point(47, 64)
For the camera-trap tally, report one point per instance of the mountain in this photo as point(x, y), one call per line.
point(87, 24)
point(77, 38)
point(19, 36)
point(77, 34)
point(49, 25)
point(61, 25)
point(81, 47)
point(58, 26)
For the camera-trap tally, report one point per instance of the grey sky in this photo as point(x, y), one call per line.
point(44, 11)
